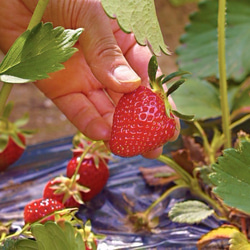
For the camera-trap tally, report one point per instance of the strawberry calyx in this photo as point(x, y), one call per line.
point(156, 84)
point(89, 237)
point(69, 188)
point(95, 150)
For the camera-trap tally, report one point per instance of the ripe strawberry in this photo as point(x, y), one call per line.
point(11, 152)
point(40, 208)
point(12, 138)
point(62, 189)
point(92, 175)
point(144, 119)
point(140, 123)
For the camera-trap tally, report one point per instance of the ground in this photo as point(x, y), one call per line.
point(50, 122)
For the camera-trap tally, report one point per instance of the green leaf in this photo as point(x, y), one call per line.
point(198, 97)
point(22, 121)
point(174, 74)
point(38, 52)
point(231, 177)
point(239, 241)
point(8, 244)
point(152, 69)
point(190, 212)
point(220, 233)
point(198, 52)
point(175, 86)
point(183, 116)
point(4, 138)
point(14, 136)
point(139, 17)
point(50, 236)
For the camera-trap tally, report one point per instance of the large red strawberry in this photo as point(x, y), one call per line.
point(64, 190)
point(144, 119)
point(92, 176)
point(40, 208)
point(140, 123)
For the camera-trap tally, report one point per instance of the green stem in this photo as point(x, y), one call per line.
point(197, 191)
point(163, 197)
point(222, 74)
point(190, 182)
point(35, 19)
point(38, 13)
point(206, 144)
point(80, 162)
point(178, 169)
point(240, 121)
point(4, 95)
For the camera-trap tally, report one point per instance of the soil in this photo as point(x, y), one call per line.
point(50, 123)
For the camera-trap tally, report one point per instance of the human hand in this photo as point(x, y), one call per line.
point(108, 63)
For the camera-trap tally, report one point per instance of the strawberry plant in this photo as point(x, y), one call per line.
point(213, 163)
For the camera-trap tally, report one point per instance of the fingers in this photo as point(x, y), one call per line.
point(83, 114)
point(154, 153)
point(103, 54)
point(78, 94)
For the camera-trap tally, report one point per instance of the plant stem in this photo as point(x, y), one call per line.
point(4, 94)
point(80, 162)
point(178, 169)
point(38, 13)
point(222, 74)
point(206, 144)
point(190, 182)
point(163, 197)
point(240, 121)
point(35, 19)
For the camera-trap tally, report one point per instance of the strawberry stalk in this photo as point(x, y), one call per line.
point(35, 19)
point(74, 177)
point(190, 181)
point(222, 73)
point(156, 84)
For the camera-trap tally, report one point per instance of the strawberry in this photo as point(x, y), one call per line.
point(12, 151)
point(140, 123)
point(12, 138)
point(144, 119)
point(65, 191)
point(38, 209)
point(92, 176)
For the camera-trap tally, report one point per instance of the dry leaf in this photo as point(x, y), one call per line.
point(158, 176)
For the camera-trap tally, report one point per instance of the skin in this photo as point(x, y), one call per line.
point(108, 63)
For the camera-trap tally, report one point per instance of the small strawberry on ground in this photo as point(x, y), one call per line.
point(144, 119)
point(90, 165)
point(36, 210)
point(12, 138)
point(64, 190)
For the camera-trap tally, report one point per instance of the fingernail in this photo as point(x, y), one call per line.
point(124, 74)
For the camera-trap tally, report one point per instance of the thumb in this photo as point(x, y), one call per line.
point(103, 54)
